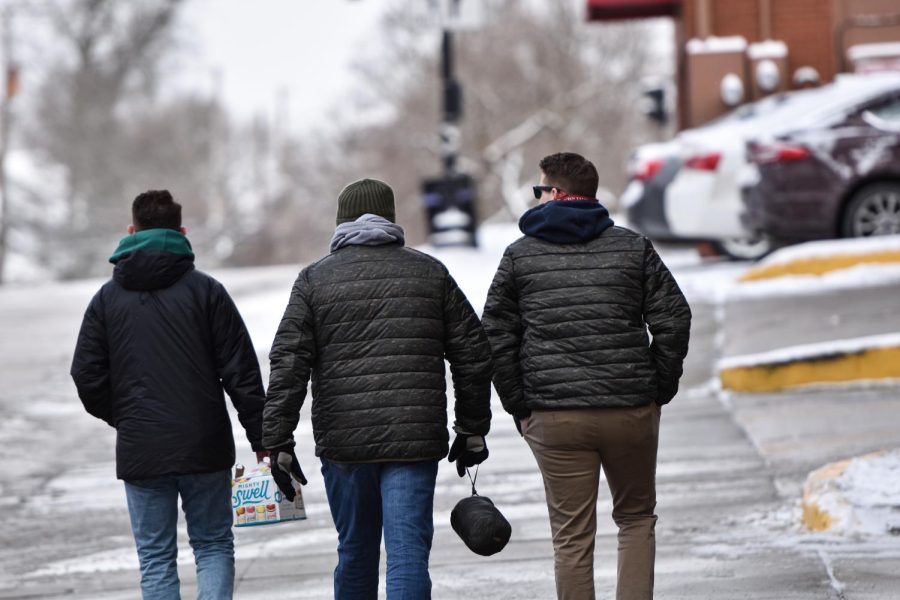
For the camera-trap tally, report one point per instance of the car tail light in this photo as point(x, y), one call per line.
point(647, 169)
point(777, 153)
point(705, 162)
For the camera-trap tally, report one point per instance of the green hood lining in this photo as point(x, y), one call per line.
point(162, 240)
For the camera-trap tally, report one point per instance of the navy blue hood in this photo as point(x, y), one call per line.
point(566, 221)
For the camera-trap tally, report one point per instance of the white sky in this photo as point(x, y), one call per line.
point(266, 52)
point(268, 55)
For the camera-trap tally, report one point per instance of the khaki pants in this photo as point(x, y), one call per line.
point(570, 447)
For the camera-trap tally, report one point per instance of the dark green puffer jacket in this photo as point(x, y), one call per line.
point(567, 319)
point(372, 326)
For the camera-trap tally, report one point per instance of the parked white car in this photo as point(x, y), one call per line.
point(700, 198)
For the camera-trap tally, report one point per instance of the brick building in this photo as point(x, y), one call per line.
point(733, 51)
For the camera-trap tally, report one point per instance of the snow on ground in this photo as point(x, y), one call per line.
point(712, 284)
point(855, 277)
point(810, 351)
point(830, 248)
point(474, 268)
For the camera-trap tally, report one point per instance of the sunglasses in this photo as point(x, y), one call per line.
point(540, 189)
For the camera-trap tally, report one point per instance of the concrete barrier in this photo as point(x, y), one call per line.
point(819, 313)
point(857, 359)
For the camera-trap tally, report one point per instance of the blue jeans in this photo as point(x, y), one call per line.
point(206, 501)
point(364, 497)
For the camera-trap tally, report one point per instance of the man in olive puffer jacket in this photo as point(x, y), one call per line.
point(567, 317)
point(371, 324)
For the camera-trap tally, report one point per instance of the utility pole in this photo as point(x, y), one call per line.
point(450, 198)
point(450, 136)
point(11, 77)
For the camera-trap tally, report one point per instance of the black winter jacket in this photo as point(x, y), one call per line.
point(372, 326)
point(568, 311)
point(157, 345)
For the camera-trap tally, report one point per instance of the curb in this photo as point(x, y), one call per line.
point(857, 495)
point(819, 515)
point(820, 257)
point(819, 266)
point(875, 363)
point(849, 280)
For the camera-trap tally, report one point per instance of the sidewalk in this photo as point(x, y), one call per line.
point(723, 532)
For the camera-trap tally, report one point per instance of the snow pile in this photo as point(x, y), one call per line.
point(828, 256)
point(852, 278)
point(876, 50)
point(857, 496)
point(767, 49)
point(802, 352)
point(717, 45)
point(874, 482)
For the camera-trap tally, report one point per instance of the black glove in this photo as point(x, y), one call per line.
point(467, 451)
point(285, 467)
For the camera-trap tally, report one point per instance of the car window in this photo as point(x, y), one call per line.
point(752, 110)
point(888, 111)
point(884, 115)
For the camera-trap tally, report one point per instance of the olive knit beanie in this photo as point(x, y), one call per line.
point(365, 196)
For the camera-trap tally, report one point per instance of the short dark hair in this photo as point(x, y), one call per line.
point(572, 172)
point(155, 209)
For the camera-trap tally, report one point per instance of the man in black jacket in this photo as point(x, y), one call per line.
point(372, 324)
point(158, 344)
point(567, 317)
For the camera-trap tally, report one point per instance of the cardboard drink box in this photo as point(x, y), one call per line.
point(256, 499)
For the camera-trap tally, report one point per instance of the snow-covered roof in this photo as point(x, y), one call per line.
point(767, 49)
point(716, 45)
point(881, 50)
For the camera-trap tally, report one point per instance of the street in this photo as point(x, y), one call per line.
point(729, 475)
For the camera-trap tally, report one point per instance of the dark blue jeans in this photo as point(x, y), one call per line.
point(206, 501)
point(395, 496)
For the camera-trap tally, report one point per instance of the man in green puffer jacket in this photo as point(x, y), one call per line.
point(371, 325)
point(567, 317)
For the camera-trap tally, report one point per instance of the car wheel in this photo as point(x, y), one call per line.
point(750, 248)
point(873, 210)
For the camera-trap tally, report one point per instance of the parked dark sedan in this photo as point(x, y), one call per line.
point(840, 178)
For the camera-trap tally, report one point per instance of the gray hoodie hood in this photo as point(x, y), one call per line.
point(368, 230)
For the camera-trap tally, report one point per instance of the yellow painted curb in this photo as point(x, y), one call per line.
point(815, 517)
point(819, 265)
point(874, 363)
point(825, 505)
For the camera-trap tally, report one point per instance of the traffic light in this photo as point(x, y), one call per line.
point(656, 111)
point(450, 208)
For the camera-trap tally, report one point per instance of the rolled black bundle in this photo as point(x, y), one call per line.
point(480, 525)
